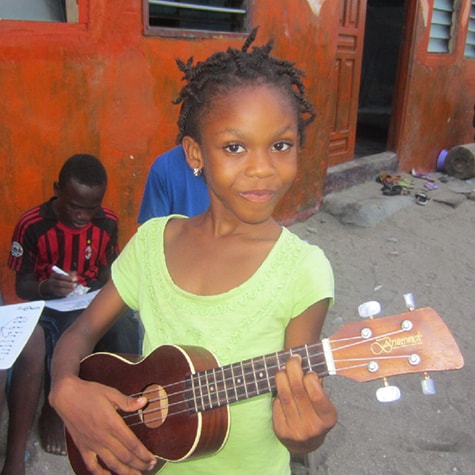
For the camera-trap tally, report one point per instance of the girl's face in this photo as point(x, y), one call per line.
point(248, 149)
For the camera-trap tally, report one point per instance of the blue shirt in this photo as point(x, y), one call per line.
point(171, 188)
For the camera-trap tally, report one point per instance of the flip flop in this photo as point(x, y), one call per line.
point(407, 183)
point(422, 198)
point(394, 190)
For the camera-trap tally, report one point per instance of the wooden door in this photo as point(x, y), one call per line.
point(349, 56)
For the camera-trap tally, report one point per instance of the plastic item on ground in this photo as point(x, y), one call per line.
point(424, 176)
point(430, 185)
point(441, 160)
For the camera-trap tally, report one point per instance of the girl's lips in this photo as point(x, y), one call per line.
point(258, 196)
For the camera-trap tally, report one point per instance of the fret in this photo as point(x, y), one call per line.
point(243, 373)
point(208, 392)
point(281, 359)
point(213, 389)
point(260, 375)
point(197, 392)
point(225, 386)
point(256, 379)
point(231, 391)
point(269, 386)
point(193, 390)
point(235, 386)
point(202, 394)
point(307, 359)
point(317, 361)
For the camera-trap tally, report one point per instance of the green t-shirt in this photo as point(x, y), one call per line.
point(244, 322)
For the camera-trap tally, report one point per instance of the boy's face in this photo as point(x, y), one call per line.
point(77, 204)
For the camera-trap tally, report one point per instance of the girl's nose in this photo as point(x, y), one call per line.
point(260, 164)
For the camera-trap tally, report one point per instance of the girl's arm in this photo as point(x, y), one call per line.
point(88, 409)
point(302, 412)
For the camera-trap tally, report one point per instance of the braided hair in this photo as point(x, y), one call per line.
point(226, 70)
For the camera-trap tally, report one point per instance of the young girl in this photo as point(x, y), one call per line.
point(230, 280)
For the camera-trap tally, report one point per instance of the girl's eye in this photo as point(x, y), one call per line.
point(282, 146)
point(234, 148)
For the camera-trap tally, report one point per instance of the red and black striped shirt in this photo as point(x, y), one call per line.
point(41, 241)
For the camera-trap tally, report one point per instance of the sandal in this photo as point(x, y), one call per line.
point(393, 190)
point(422, 198)
point(407, 183)
point(387, 180)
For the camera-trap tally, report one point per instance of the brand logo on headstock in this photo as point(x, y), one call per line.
point(388, 345)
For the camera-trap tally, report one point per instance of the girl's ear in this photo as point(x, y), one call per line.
point(56, 188)
point(193, 153)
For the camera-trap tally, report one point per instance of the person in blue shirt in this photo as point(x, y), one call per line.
point(173, 187)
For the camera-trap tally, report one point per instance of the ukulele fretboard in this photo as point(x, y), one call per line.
point(231, 383)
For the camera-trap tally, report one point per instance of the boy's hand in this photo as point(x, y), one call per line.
point(61, 285)
point(302, 412)
point(102, 433)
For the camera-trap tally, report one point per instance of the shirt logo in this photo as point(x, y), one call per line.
point(88, 252)
point(17, 249)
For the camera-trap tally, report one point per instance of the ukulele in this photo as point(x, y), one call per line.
point(189, 392)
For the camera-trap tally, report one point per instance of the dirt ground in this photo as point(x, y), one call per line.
point(429, 251)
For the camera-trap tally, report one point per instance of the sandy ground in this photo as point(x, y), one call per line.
point(429, 251)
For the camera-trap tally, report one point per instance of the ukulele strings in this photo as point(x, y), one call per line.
point(349, 342)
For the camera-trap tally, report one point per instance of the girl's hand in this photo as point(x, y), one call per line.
point(302, 412)
point(102, 433)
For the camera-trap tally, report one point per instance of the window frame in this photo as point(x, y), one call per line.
point(469, 44)
point(453, 31)
point(168, 32)
point(73, 14)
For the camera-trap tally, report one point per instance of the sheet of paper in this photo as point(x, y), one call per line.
point(68, 304)
point(17, 323)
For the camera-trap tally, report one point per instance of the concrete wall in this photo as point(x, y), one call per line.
point(100, 86)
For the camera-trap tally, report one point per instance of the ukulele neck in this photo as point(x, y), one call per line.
point(239, 381)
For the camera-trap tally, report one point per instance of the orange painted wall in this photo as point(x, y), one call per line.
point(440, 96)
point(102, 87)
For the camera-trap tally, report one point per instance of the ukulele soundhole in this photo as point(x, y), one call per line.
point(155, 412)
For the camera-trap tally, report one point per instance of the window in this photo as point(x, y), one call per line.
point(39, 10)
point(198, 16)
point(441, 27)
point(470, 42)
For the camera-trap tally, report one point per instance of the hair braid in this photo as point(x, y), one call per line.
point(225, 70)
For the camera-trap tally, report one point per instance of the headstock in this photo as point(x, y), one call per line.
point(412, 342)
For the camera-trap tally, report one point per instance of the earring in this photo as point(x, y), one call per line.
point(197, 171)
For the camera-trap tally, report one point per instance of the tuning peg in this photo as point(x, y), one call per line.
point(428, 385)
point(369, 309)
point(409, 301)
point(388, 393)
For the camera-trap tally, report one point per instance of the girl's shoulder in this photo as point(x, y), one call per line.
point(293, 242)
point(159, 223)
